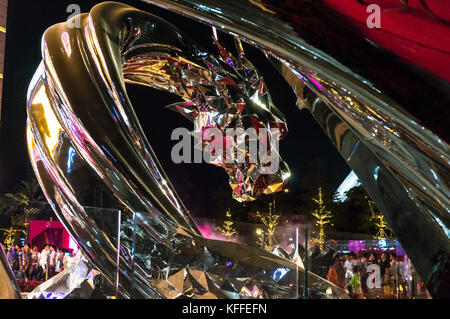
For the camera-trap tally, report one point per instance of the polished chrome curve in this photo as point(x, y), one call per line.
point(9, 289)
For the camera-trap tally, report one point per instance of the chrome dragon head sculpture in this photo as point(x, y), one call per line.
point(84, 138)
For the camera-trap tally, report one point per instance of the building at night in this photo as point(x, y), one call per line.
point(349, 182)
point(3, 12)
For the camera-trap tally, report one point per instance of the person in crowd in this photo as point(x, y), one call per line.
point(332, 274)
point(19, 263)
point(31, 265)
point(384, 264)
point(20, 274)
point(348, 266)
point(355, 284)
point(15, 260)
point(52, 261)
point(15, 257)
point(363, 274)
point(393, 261)
point(394, 273)
point(372, 259)
point(34, 267)
point(340, 272)
point(44, 263)
point(26, 261)
point(357, 259)
point(402, 267)
point(59, 260)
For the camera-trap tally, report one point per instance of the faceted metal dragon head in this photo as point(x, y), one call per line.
point(220, 92)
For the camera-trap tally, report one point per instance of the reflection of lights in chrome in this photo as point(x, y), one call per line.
point(444, 228)
point(258, 102)
point(297, 259)
point(375, 173)
point(214, 30)
point(70, 159)
point(279, 273)
point(329, 291)
point(285, 175)
point(66, 43)
point(350, 181)
point(53, 128)
point(251, 293)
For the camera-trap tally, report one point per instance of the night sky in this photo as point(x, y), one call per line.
point(307, 149)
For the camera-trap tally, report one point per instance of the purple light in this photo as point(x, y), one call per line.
point(315, 82)
point(230, 62)
point(356, 245)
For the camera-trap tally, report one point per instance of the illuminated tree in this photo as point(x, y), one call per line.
point(323, 217)
point(271, 221)
point(9, 238)
point(227, 228)
point(23, 204)
point(379, 221)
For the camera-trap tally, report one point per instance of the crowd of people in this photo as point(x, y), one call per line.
point(350, 271)
point(32, 264)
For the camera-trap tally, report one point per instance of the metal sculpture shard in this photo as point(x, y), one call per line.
point(74, 282)
point(84, 140)
point(9, 289)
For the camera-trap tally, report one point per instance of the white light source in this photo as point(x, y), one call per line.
point(349, 182)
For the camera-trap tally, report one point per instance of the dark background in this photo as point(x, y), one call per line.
point(204, 188)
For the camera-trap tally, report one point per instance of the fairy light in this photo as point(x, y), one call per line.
point(323, 217)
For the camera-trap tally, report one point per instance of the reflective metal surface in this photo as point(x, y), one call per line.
point(389, 119)
point(8, 285)
point(75, 282)
point(84, 140)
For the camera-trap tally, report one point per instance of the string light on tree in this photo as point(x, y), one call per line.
point(9, 237)
point(227, 228)
point(323, 217)
point(379, 221)
point(271, 221)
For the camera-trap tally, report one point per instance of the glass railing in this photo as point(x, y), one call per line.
point(141, 255)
